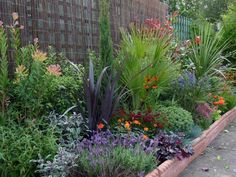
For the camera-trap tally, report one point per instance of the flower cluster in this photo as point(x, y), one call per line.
point(218, 100)
point(147, 122)
point(150, 82)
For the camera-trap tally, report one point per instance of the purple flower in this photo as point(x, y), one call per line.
point(188, 79)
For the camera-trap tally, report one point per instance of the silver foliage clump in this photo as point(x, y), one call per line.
point(61, 165)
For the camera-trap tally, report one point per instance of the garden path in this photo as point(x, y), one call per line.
point(219, 159)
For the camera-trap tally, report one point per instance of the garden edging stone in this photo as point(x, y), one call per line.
point(172, 168)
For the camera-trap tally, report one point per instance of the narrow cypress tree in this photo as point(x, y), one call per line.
point(106, 46)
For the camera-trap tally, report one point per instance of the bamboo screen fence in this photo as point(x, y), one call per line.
point(71, 26)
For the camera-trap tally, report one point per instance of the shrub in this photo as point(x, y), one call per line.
point(229, 22)
point(20, 144)
point(179, 120)
point(69, 128)
point(106, 46)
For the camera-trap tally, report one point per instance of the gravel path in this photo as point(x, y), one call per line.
point(219, 159)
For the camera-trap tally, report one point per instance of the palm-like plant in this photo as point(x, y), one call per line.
point(145, 53)
point(207, 52)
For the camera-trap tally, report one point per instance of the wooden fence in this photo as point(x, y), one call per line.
point(71, 26)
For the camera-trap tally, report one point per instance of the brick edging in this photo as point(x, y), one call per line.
point(172, 168)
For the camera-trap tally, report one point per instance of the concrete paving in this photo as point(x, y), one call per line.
point(219, 159)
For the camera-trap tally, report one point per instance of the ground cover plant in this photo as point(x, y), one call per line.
point(122, 113)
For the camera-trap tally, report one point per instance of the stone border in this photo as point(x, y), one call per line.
point(172, 168)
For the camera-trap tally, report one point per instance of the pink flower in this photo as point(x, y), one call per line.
point(36, 40)
point(54, 70)
point(15, 16)
point(22, 27)
point(1, 23)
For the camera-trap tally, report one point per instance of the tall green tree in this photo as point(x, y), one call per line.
point(106, 45)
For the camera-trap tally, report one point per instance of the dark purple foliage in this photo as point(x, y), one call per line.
point(171, 145)
point(100, 103)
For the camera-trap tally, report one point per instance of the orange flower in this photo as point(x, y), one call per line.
point(146, 129)
point(137, 122)
point(155, 78)
point(221, 102)
point(198, 40)
point(215, 97)
point(100, 126)
point(154, 86)
point(221, 98)
point(147, 79)
point(127, 126)
point(146, 86)
point(145, 137)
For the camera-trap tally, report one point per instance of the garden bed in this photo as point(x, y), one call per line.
point(172, 168)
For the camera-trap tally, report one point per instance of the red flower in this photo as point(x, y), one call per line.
point(100, 126)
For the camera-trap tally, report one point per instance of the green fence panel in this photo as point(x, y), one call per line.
point(182, 26)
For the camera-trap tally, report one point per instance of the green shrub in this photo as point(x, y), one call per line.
point(106, 46)
point(20, 144)
point(229, 22)
point(179, 120)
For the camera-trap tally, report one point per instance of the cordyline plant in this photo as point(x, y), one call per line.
point(100, 105)
point(208, 52)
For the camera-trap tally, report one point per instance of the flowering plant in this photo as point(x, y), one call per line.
point(147, 122)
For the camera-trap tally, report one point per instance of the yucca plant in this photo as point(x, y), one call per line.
point(207, 52)
point(145, 54)
point(4, 80)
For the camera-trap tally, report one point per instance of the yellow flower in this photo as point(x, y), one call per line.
point(21, 69)
point(120, 120)
point(54, 70)
point(39, 56)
